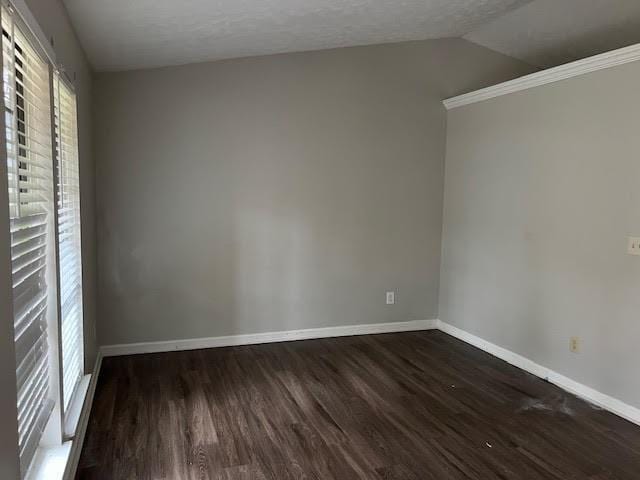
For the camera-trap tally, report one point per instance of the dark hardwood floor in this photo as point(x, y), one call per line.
point(399, 406)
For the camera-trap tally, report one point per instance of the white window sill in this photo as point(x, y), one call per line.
point(75, 408)
point(50, 462)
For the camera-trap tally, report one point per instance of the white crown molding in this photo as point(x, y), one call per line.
point(562, 72)
point(600, 399)
point(268, 337)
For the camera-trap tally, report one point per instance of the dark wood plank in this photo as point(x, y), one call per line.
point(418, 405)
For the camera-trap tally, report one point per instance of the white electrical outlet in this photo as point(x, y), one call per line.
point(574, 344)
point(391, 298)
point(633, 246)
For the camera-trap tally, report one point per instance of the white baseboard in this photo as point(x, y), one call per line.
point(600, 399)
point(81, 430)
point(268, 337)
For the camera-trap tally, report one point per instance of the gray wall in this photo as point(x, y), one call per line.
point(54, 21)
point(542, 188)
point(278, 192)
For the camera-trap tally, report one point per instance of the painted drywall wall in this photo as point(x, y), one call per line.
point(541, 190)
point(54, 21)
point(276, 193)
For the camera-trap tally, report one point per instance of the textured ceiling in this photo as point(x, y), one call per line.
point(130, 34)
point(547, 33)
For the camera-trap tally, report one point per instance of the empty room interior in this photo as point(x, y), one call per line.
point(320, 239)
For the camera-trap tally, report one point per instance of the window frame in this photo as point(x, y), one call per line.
point(59, 79)
point(30, 166)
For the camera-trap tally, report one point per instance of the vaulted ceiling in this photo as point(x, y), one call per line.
point(546, 33)
point(128, 34)
point(132, 34)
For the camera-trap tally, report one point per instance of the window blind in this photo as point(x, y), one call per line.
point(69, 240)
point(27, 110)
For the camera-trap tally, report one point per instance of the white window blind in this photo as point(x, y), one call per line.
point(69, 253)
point(27, 105)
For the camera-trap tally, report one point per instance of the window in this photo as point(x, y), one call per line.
point(27, 106)
point(44, 208)
point(69, 245)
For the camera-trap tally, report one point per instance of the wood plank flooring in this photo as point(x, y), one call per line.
point(418, 405)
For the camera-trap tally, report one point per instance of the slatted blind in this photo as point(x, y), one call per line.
point(30, 170)
point(66, 136)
